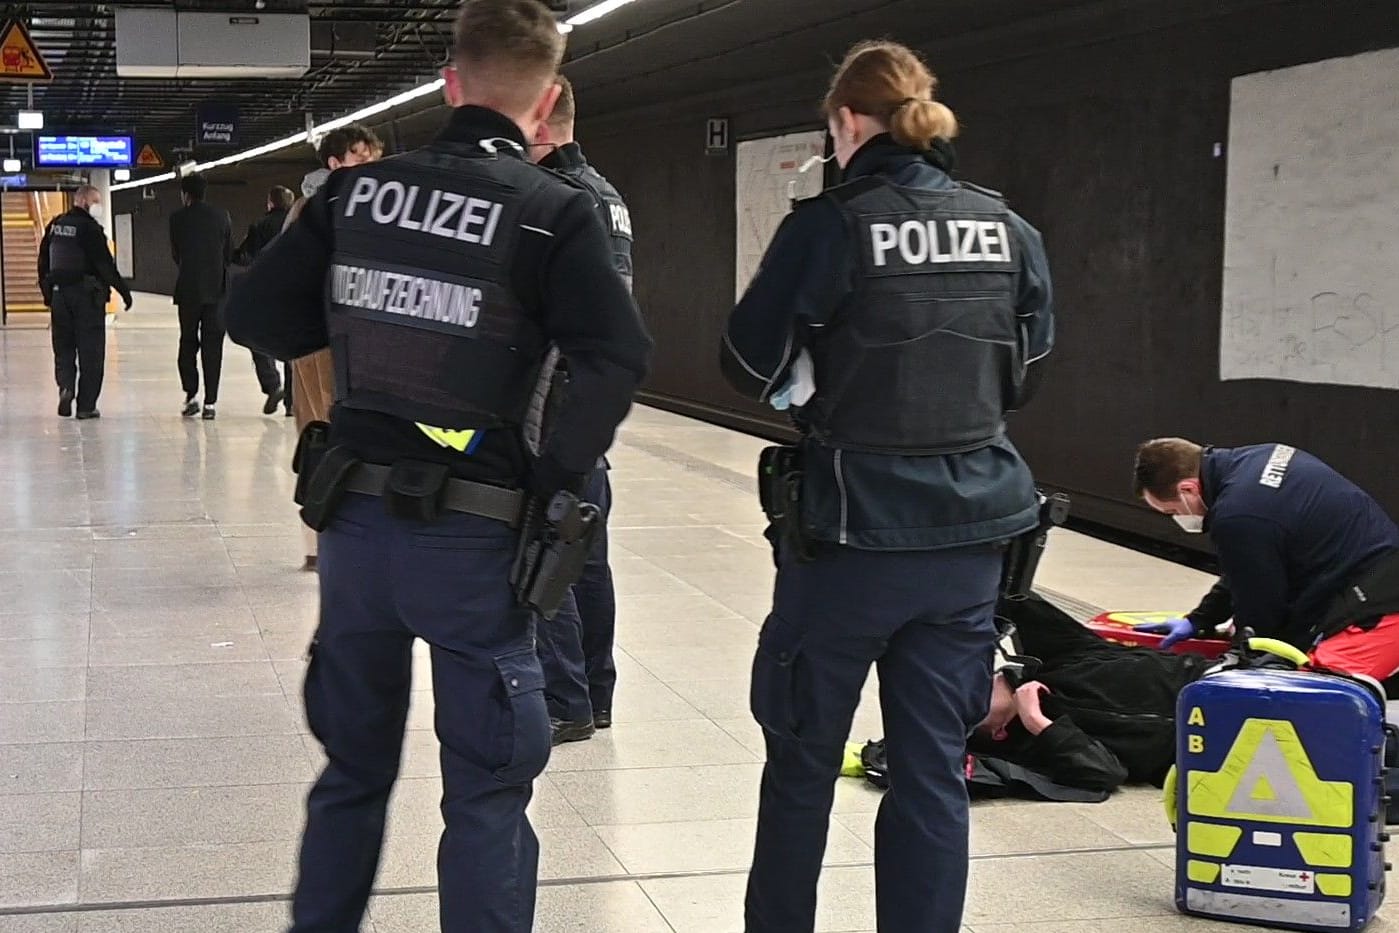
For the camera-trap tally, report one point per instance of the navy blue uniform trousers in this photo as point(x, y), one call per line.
point(926, 619)
point(576, 647)
point(385, 582)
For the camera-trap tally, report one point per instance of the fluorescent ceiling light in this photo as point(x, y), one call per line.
point(122, 174)
point(596, 11)
point(31, 120)
point(591, 14)
point(12, 165)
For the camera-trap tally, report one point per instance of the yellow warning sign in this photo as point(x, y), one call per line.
point(1268, 777)
point(19, 56)
point(149, 158)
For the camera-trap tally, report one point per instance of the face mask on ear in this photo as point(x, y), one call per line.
point(1190, 523)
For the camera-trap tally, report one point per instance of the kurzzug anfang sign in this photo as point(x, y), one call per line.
point(216, 125)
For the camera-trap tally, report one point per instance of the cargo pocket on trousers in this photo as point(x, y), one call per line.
point(773, 694)
point(525, 723)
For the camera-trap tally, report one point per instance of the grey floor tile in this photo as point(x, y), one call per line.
point(716, 845)
point(714, 633)
point(1068, 888)
point(210, 717)
point(652, 745)
point(197, 648)
point(265, 759)
point(30, 723)
point(38, 769)
point(40, 822)
point(192, 815)
point(38, 879)
point(636, 702)
point(175, 622)
point(714, 904)
point(183, 681)
point(612, 907)
point(74, 627)
point(221, 918)
point(159, 873)
point(125, 598)
point(43, 684)
point(40, 923)
point(25, 654)
point(716, 699)
point(730, 662)
point(662, 795)
point(1133, 813)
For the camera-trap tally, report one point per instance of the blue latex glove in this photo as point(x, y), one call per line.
point(1175, 630)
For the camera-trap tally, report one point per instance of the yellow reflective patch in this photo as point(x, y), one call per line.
point(1202, 872)
point(1212, 840)
point(446, 437)
point(1325, 850)
point(1268, 777)
point(1334, 885)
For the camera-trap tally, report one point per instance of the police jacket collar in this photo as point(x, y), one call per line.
point(565, 158)
point(880, 155)
point(470, 125)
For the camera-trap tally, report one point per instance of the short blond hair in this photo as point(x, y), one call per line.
point(507, 51)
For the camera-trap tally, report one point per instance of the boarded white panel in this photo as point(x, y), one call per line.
point(122, 222)
point(1311, 258)
point(765, 167)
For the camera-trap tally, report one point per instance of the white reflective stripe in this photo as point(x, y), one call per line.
point(844, 502)
point(1299, 911)
point(539, 230)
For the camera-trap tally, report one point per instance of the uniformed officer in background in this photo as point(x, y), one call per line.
point(900, 311)
point(576, 646)
point(76, 274)
point(439, 279)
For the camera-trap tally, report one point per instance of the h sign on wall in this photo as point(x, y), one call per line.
point(716, 135)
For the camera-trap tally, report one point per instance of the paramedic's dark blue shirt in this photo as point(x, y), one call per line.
point(878, 501)
point(1290, 532)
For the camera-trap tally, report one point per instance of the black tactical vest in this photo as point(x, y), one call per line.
point(67, 262)
point(926, 357)
point(616, 217)
point(424, 323)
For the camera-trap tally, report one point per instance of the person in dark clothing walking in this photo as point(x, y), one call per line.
point(260, 233)
point(76, 271)
point(201, 239)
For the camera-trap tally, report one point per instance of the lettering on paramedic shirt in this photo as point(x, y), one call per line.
point(1275, 470)
point(403, 293)
point(433, 212)
point(919, 242)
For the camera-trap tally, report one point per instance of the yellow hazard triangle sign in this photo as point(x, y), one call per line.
point(1267, 776)
point(19, 56)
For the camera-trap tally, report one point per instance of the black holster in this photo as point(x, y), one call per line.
point(326, 487)
point(1023, 553)
point(311, 448)
point(779, 492)
point(555, 541)
point(415, 489)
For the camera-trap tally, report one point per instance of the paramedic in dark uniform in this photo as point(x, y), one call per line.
point(1305, 555)
point(76, 273)
point(438, 279)
point(911, 305)
point(576, 647)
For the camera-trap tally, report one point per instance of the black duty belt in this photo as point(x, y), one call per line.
point(458, 495)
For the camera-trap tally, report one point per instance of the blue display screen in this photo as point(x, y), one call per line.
point(83, 151)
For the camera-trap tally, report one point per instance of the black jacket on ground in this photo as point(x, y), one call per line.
point(201, 240)
point(564, 277)
point(260, 233)
point(1112, 706)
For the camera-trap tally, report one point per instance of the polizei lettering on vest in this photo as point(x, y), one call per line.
point(442, 213)
point(410, 295)
point(921, 242)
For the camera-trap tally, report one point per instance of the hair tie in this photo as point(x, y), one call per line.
point(908, 100)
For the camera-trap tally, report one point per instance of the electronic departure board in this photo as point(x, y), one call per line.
point(82, 151)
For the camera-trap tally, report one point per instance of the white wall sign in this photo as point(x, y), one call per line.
point(122, 236)
point(767, 178)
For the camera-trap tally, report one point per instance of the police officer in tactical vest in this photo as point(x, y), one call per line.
point(439, 279)
point(76, 273)
point(899, 312)
point(576, 647)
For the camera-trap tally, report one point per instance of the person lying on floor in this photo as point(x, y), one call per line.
point(1094, 716)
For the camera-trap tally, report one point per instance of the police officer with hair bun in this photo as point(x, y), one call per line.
point(439, 279)
point(897, 316)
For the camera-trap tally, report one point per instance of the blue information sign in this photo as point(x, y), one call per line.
point(216, 125)
point(83, 151)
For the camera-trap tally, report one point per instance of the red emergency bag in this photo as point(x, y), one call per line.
point(1119, 627)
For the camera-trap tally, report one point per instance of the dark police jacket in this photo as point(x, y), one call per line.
point(1290, 533)
point(568, 159)
point(201, 240)
point(809, 290)
point(75, 247)
point(260, 233)
point(542, 267)
point(1112, 706)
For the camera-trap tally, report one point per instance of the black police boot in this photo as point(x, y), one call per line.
point(65, 403)
point(566, 731)
point(89, 415)
point(209, 413)
point(274, 398)
point(191, 408)
point(602, 719)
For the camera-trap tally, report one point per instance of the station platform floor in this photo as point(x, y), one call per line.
point(154, 758)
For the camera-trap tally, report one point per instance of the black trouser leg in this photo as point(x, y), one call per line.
point(91, 326)
point(266, 368)
point(211, 349)
point(189, 349)
point(287, 383)
point(65, 342)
